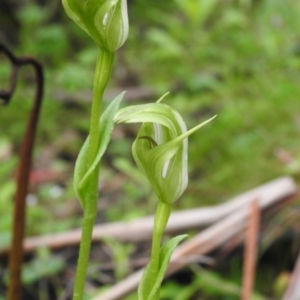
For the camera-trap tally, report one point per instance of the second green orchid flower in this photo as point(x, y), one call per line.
point(161, 147)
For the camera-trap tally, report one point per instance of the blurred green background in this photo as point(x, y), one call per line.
point(237, 59)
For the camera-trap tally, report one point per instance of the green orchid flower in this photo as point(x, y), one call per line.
point(161, 147)
point(106, 21)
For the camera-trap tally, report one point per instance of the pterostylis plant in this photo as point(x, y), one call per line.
point(160, 149)
point(106, 21)
point(160, 152)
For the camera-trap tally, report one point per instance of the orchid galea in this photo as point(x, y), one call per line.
point(105, 21)
point(160, 149)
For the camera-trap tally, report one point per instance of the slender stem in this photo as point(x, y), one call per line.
point(162, 215)
point(102, 74)
point(85, 245)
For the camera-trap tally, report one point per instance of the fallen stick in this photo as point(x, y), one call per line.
point(250, 252)
point(141, 229)
point(210, 238)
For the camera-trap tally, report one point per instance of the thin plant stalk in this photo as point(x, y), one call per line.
point(102, 74)
point(162, 215)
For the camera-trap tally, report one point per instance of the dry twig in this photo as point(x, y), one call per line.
point(250, 251)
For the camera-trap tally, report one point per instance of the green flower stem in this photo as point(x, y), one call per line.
point(162, 215)
point(102, 74)
point(85, 245)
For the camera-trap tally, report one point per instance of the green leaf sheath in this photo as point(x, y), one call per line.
point(102, 75)
point(151, 292)
point(84, 171)
point(164, 259)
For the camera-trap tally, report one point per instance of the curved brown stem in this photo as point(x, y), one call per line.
point(16, 250)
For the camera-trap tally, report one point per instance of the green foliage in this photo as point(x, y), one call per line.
point(120, 254)
point(197, 11)
point(44, 265)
